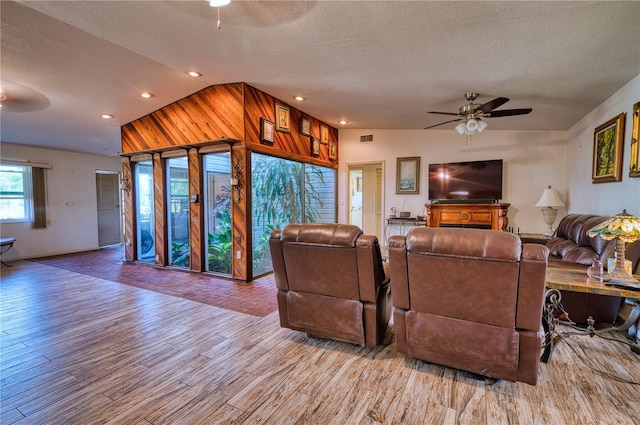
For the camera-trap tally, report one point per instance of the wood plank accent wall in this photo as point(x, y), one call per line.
point(196, 218)
point(214, 113)
point(217, 113)
point(293, 145)
point(240, 216)
point(129, 207)
point(160, 209)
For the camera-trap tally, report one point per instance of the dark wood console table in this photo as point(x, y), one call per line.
point(493, 216)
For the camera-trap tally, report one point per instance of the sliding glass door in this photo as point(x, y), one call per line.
point(144, 211)
point(178, 211)
point(218, 225)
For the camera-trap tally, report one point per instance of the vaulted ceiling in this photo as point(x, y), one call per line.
point(376, 64)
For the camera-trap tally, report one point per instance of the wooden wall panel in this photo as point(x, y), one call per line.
point(293, 145)
point(129, 238)
point(196, 217)
point(240, 210)
point(160, 210)
point(214, 113)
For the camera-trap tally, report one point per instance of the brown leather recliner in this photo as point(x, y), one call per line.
point(470, 299)
point(331, 282)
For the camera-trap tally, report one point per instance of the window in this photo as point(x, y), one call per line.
point(16, 203)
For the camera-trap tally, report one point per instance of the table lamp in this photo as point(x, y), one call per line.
point(548, 200)
point(623, 228)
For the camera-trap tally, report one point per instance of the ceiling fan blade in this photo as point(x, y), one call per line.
point(455, 114)
point(508, 112)
point(493, 104)
point(446, 122)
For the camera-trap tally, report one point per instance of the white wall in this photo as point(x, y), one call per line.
point(602, 198)
point(72, 179)
point(532, 160)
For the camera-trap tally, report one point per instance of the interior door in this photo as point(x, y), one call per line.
point(109, 215)
point(365, 198)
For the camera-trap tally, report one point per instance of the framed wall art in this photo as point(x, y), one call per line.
point(315, 146)
point(607, 150)
point(305, 126)
point(324, 134)
point(634, 162)
point(283, 118)
point(333, 151)
point(408, 176)
point(266, 131)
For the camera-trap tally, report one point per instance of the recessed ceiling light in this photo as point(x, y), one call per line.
point(343, 122)
point(299, 98)
point(146, 95)
point(194, 74)
point(106, 116)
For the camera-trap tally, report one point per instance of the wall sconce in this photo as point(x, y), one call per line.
point(125, 182)
point(235, 180)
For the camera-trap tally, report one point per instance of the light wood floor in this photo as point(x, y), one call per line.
point(80, 350)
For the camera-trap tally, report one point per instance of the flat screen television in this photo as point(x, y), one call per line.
point(474, 180)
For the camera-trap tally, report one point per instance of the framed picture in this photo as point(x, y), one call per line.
point(408, 176)
point(333, 151)
point(634, 163)
point(283, 115)
point(324, 134)
point(607, 150)
point(315, 146)
point(305, 126)
point(266, 131)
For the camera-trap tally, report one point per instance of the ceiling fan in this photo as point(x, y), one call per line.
point(472, 113)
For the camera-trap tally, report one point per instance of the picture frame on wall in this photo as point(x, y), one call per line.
point(333, 151)
point(634, 162)
point(315, 146)
point(608, 141)
point(305, 126)
point(324, 134)
point(283, 118)
point(266, 131)
point(408, 175)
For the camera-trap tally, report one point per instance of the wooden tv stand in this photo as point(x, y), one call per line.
point(489, 216)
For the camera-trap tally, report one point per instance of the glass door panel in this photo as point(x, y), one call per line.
point(218, 224)
point(145, 227)
point(178, 211)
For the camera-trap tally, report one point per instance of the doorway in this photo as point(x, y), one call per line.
point(109, 215)
point(366, 198)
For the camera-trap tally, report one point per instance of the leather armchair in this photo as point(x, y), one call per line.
point(470, 299)
point(331, 282)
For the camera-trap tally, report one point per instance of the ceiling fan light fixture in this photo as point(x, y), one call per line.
point(482, 125)
point(461, 128)
point(472, 125)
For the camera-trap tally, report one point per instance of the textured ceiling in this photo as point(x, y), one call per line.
point(377, 64)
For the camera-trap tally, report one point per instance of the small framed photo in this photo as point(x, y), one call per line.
point(324, 134)
point(333, 151)
point(607, 150)
point(305, 126)
point(408, 176)
point(315, 146)
point(283, 121)
point(266, 131)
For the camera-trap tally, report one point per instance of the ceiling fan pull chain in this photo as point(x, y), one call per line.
point(219, 22)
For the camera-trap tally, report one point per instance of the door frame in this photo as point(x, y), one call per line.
point(382, 164)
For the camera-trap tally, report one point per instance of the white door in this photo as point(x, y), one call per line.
point(109, 215)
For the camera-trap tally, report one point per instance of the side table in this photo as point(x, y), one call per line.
point(534, 238)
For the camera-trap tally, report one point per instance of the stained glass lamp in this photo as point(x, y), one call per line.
point(623, 228)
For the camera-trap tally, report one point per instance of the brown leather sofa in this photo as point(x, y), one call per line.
point(571, 245)
point(331, 282)
point(470, 299)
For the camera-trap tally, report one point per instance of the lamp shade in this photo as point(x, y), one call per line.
point(623, 226)
point(460, 128)
point(472, 125)
point(218, 3)
point(550, 198)
point(482, 125)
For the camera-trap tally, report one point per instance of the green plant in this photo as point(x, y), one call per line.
point(180, 254)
